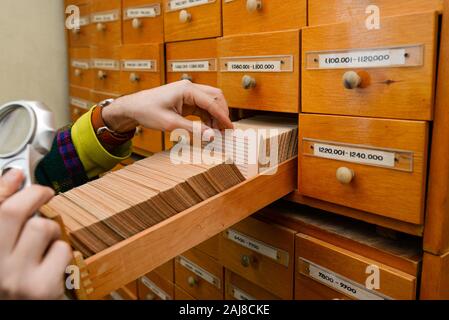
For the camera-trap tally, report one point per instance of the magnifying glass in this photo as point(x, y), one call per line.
point(27, 131)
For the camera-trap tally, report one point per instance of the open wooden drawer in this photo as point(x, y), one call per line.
point(132, 258)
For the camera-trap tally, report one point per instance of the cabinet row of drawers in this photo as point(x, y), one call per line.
point(387, 73)
point(113, 22)
point(314, 259)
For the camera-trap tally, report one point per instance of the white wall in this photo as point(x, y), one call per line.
point(33, 58)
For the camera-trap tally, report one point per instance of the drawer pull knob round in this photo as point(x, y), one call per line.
point(185, 76)
point(77, 73)
point(101, 27)
point(253, 5)
point(138, 131)
point(76, 112)
point(345, 175)
point(150, 296)
point(101, 75)
point(134, 77)
point(352, 80)
point(137, 23)
point(192, 281)
point(184, 16)
point(248, 82)
point(245, 261)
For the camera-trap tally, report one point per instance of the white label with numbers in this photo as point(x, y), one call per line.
point(356, 155)
point(80, 64)
point(363, 59)
point(241, 295)
point(182, 4)
point(80, 103)
point(104, 17)
point(138, 64)
point(200, 272)
point(106, 64)
point(84, 21)
point(155, 289)
point(254, 66)
point(149, 12)
point(190, 66)
point(253, 244)
point(342, 285)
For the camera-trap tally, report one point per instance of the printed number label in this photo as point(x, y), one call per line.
point(256, 66)
point(363, 59)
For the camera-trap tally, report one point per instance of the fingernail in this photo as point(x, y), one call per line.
point(12, 175)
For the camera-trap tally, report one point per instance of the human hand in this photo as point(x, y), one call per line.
point(164, 108)
point(32, 259)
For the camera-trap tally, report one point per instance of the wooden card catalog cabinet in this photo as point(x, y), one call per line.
point(374, 165)
point(261, 71)
point(252, 16)
point(335, 11)
point(199, 275)
point(106, 19)
point(106, 66)
point(142, 67)
point(238, 288)
point(154, 287)
point(192, 60)
point(80, 70)
point(262, 253)
point(143, 21)
point(80, 37)
point(192, 19)
point(325, 271)
point(390, 72)
point(80, 102)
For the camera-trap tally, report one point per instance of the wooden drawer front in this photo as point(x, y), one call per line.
point(167, 271)
point(262, 253)
point(81, 37)
point(80, 71)
point(265, 89)
point(239, 17)
point(106, 66)
point(193, 19)
point(80, 101)
point(180, 294)
point(238, 288)
point(210, 247)
point(401, 86)
point(76, 113)
point(98, 96)
point(349, 273)
point(388, 160)
point(335, 11)
point(142, 67)
point(199, 275)
point(154, 287)
point(193, 60)
point(309, 289)
point(148, 140)
point(106, 19)
point(143, 21)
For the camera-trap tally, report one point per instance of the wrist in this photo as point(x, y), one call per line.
point(117, 118)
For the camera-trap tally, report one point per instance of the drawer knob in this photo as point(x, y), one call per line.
point(150, 296)
point(77, 73)
point(138, 131)
point(192, 281)
point(76, 112)
point(351, 80)
point(134, 77)
point(101, 27)
point(137, 23)
point(253, 5)
point(76, 30)
point(101, 75)
point(185, 76)
point(248, 82)
point(345, 175)
point(185, 16)
point(245, 261)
